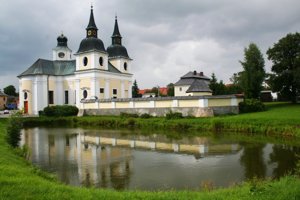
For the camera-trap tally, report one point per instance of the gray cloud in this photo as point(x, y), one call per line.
point(165, 38)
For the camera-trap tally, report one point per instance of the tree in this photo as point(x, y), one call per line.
point(135, 90)
point(170, 87)
point(254, 73)
point(285, 56)
point(10, 90)
point(218, 88)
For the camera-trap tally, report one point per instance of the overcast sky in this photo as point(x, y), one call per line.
point(165, 38)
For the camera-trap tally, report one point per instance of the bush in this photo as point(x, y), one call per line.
point(14, 126)
point(145, 116)
point(60, 111)
point(175, 115)
point(127, 115)
point(251, 105)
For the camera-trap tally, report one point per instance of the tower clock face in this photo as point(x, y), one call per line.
point(61, 54)
point(94, 32)
point(89, 32)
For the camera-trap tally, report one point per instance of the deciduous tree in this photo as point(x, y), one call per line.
point(285, 56)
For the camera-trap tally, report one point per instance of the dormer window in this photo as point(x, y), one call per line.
point(101, 61)
point(85, 61)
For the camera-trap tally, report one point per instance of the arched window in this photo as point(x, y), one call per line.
point(85, 61)
point(101, 61)
point(85, 94)
point(25, 95)
point(125, 66)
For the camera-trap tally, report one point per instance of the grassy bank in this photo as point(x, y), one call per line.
point(281, 119)
point(19, 180)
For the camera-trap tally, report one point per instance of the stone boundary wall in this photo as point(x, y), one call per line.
point(161, 112)
point(198, 106)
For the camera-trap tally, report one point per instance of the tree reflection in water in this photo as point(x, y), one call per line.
point(285, 157)
point(253, 161)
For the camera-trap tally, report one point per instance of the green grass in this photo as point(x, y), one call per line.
point(281, 119)
point(20, 180)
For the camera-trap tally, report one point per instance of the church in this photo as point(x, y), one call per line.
point(95, 73)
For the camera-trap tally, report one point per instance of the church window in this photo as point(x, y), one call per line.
point(50, 97)
point(85, 94)
point(101, 61)
point(85, 61)
point(25, 95)
point(125, 66)
point(101, 90)
point(66, 97)
point(180, 89)
point(115, 91)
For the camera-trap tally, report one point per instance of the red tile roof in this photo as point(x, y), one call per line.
point(162, 90)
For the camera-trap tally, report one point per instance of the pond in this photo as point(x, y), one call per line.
point(123, 159)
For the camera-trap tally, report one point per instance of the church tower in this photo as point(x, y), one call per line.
point(91, 53)
point(62, 51)
point(117, 53)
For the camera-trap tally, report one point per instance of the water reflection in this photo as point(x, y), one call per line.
point(122, 160)
point(253, 161)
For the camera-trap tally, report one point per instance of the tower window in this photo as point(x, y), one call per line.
point(115, 91)
point(85, 61)
point(101, 61)
point(101, 90)
point(85, 94)
point(125, 66)
point(61, 54)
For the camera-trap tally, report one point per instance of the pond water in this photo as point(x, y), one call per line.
point(126, 160)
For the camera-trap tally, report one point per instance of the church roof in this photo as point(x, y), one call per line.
point(57, 68)
point(49, 67)
point(92, 24)
point(91, 43)
point(116, 49)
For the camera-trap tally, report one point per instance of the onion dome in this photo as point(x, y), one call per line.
point(62, 41)
point(117, 49)
point(91, 42)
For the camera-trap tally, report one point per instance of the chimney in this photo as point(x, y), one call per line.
point(195, 72)
point(201, 74)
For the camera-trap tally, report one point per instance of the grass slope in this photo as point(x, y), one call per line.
point(19, 180)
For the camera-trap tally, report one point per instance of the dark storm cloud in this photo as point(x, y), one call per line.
point(165, 38)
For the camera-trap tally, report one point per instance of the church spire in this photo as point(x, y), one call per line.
point(91, 29)
point(116, 37)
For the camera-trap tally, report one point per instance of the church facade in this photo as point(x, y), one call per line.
point(95, 73)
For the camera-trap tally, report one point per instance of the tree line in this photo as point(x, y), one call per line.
point(283, 79)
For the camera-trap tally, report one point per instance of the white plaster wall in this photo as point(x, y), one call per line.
point(184, 88)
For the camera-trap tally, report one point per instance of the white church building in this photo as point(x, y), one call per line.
point(95, 73)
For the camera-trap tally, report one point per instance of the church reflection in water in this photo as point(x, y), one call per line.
point(105, 158)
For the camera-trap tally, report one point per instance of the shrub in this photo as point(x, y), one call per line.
point(145, 116)
point(251, 105)
point(60, 111)
point(127, 115)
point(14, 126)
point(174, 115)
